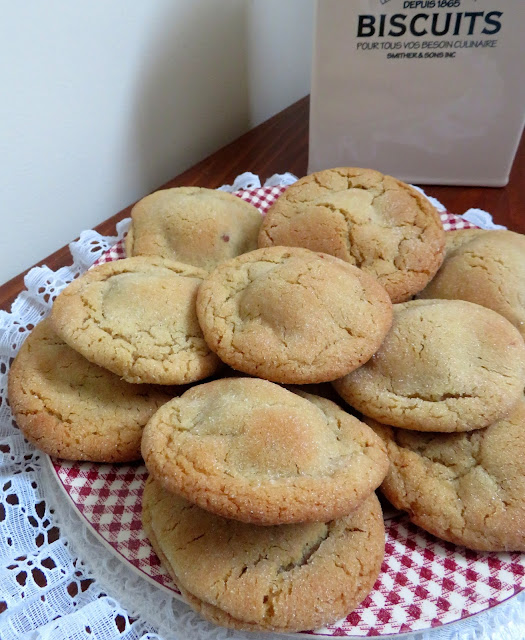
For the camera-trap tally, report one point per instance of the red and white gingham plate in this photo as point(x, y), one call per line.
point(424, 582)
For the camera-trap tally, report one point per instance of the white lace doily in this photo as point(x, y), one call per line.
point(57, 581)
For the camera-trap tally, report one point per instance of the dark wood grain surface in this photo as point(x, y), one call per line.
point(281, 144)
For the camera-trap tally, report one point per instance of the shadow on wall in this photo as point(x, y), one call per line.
point(192, 88)
point(279, 52)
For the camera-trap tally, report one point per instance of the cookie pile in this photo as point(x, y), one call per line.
point(87, 379)
point(375, 222)
point(445, 393)
point(261, 504)
point(260, 501)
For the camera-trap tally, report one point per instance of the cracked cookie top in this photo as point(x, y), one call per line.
point(485, 267)
point(281, 578)
point(293, 316)
point(248, 449)
point(136, 317)
point(373, 221)
point(467, 488)
point(73, 409)
point(198, 226)
point(446, 365)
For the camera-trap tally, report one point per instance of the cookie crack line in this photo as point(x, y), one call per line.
point(353, 246)
point(115, 335)
point(350, 246)
point(377, 190)
point(412, 496)
point(73, 438)
point(308, 553)
point(442, 398)
point(280, 586)
point(192, 346)
point(351, 331)
point(46, 409)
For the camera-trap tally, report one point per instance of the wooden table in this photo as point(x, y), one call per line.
point(281, 144)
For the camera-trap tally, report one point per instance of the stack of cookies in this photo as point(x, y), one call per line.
point(261, 504)
point(260, 500)
point(445, 393)
point(88, 378)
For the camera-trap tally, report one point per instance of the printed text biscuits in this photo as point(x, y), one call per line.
point(248, 449)
point(136, 317)
point(291, 315)
point(370, 220)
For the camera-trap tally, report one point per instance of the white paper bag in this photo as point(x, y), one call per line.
point(430, 91)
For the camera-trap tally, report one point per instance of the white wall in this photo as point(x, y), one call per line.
point(279, 54)
point(103, 102)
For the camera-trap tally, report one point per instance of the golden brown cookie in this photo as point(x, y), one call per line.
point(485, 267)
point(73, 409)
point(198, 226)
point(208, 611)
point(293, 316)
point(282, 578)
point(446, 365)
point(455, 239)
point(136, 317)
point(468, 488)
point(248, 449)
point(373, 221)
